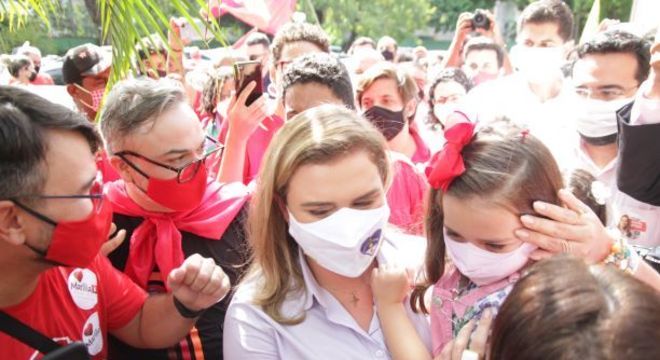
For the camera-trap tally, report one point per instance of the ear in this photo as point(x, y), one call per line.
point(410, 108)
point(281, 206)
point(272, 73)
point(72, 90)
point(568, 47)
point(11, 224)
point(122, 168)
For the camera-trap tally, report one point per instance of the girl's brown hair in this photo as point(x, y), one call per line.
point(503, 164)
point(317, 136)
point(565, 309)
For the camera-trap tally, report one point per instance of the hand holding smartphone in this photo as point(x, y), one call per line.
point(246, 72)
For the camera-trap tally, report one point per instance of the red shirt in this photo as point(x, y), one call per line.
point(256, 145)
point(423, 154)
point(43, 79)
point(406, 195)
point(72, 304)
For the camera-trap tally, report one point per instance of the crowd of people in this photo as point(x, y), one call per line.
point(481, 203)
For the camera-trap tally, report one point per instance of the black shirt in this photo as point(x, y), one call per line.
point(231, 252)
point(639, 159)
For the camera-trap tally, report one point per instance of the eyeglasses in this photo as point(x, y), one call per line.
point(608, 93)
point(184, 173)
point(95, 194)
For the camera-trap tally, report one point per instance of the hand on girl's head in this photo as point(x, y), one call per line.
point(390, 284)
point(574, 229)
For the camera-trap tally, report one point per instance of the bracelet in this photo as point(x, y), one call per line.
point(623, 256)
point(184, 311)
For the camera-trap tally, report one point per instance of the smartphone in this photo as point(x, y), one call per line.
point(246, 72)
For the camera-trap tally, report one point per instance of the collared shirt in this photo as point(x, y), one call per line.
point(606, 174)
point(328, 331)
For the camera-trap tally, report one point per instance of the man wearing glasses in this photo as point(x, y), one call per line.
point(54, 217)
point(606, 76)
point(167, 204)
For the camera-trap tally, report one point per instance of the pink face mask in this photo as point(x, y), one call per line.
point(484, 267)
point(96, 95)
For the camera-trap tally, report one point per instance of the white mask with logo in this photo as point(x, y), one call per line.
point(345, 242)
point(597, 118)
point(484, 267)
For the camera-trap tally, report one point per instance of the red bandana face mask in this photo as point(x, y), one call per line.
point(76, 243)
point(179, 196)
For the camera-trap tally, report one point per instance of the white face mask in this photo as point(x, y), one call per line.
point(597, 118)
point(345, 242)
point(442, 111)
point(537, 64)
point(484, 267)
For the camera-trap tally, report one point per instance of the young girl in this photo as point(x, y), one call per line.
point(481, 184)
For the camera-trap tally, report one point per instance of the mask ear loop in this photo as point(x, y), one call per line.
point(91, 107)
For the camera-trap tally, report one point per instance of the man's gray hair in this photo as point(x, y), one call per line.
point(134, 103)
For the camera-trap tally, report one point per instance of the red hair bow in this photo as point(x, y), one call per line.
point(448, 163)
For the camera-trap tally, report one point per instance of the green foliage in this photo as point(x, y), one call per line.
point(344, 20)
point(447, 11)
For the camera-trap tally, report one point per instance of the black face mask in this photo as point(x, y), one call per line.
point(389, 123)
point(33, 75)
point(388, 55)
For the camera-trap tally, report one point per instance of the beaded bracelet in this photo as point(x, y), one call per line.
point(623, 256)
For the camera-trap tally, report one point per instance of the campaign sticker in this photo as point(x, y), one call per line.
point(92, 336)
point(370, 245)
point(82, 287)
point(631, 227)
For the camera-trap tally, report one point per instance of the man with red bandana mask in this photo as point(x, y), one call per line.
point(85, 72)
point(54, 218)
point(167, 204)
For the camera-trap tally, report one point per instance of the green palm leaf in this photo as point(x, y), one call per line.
point(124, 23)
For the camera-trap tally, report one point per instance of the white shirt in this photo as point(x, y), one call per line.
point(551, 121)
point(328, 331)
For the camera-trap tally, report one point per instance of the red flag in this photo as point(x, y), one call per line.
point(266, 15)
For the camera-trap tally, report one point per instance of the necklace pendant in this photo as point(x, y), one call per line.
point(354, 299)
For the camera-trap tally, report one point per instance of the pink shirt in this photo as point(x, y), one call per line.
point(450, 310)
point(328, 330)
point(406, 195)
point(423, 154)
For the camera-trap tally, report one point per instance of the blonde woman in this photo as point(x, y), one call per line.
point(317, 225)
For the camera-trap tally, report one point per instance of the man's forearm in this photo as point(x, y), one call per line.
point(161, 325)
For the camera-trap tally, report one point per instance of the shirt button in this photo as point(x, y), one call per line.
point(380, 353)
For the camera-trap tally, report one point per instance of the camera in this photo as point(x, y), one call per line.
point(480, 20)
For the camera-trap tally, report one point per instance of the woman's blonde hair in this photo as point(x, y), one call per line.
point(316, 136)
